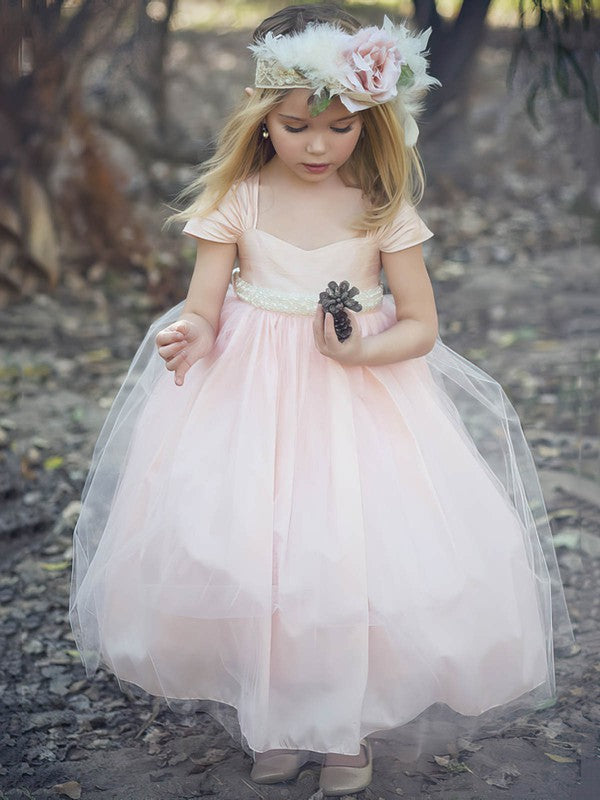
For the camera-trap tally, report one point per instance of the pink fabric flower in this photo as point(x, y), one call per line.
point(373, 64)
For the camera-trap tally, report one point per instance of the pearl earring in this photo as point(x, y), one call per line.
point(265, 132)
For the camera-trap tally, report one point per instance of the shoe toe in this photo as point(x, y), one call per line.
point(278, 767)
point(339, 780)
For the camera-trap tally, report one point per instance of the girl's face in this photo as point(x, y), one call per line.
point(300, 140)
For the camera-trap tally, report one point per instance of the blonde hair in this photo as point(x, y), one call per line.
point(381, 165)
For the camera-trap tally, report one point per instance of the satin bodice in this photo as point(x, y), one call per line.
point(267, 261)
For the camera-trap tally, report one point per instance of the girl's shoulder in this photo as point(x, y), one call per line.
point(229, 219)
point(406, 230)
point(236, 214)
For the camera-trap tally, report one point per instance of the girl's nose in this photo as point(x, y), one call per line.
point(316, 144)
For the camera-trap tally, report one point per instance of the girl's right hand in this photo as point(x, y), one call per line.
point(181, 344)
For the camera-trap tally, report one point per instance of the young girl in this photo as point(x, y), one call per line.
point(316, 540)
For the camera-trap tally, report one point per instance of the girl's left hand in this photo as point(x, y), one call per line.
point(348, 352)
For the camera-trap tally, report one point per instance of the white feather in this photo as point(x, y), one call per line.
point(314, 52)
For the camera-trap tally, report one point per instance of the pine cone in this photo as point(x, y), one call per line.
point(334, 299)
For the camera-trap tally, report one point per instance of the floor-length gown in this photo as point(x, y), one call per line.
point(314, 552)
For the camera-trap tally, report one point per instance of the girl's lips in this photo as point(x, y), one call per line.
point(316, 167)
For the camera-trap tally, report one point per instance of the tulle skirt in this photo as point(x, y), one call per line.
point(312, 553)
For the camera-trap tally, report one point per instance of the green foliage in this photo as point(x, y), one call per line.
point(567, 36)
point(319, 102)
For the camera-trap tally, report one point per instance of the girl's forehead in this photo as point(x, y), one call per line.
point(295, 103)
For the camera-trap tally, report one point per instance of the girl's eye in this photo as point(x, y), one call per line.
point(298, 130)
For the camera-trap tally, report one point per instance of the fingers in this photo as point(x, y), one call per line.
point(249, 91)
point(180, 374)
point(318, 326)
point(348, 351)
point(328, 336)
point(325, 335)
point(171, 340)
point(329, 329)
point(190, 330)
point(174, 361)
point(324, 331)
point(173, 345)
point(179, 328)
point(169, 335)
point(179, 364)
point(167, 351)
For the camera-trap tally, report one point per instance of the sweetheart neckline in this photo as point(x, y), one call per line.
point(314, 249)
point(256, 177)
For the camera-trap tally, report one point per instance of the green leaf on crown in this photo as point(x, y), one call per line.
point(407, 76)
point(319, 102)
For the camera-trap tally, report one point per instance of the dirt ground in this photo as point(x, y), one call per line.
point(514, 263)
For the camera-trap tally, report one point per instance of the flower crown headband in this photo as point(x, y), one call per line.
point(365, 68)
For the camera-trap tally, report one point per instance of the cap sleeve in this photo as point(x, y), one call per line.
point(226, 222)
point(405, 230)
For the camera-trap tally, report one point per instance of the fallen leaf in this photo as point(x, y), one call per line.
point(561, 759)
point(569, 651)
point(451, 764)
point(546, 704)
point(504, 777)
point(100, 354)
point(36, 370)
point(70, 789)
point(476, 353)
point(54, 566)
point(465, 744)
point(506, 338)
point(571, 539)
point(526, 333)
point(26, 470)
point(177, 759)
point(563, 513)
point(52, 462)
point(548, 452)
point(207, 757)
point(545, 344)
point(449, 270)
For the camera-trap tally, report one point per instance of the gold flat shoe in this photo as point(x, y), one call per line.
point(279, 766)
point(338, 780)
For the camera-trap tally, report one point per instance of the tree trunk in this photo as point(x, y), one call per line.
point(60, 196)
point(453, 47)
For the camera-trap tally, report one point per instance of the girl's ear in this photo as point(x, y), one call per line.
point(249, 90)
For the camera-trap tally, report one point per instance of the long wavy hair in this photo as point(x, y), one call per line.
point(381, 164)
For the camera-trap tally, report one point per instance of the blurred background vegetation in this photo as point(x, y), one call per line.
point(88, 89)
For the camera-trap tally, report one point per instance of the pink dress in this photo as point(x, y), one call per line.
point(314, 552)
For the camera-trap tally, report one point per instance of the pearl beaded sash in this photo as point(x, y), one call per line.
point(274, 300)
